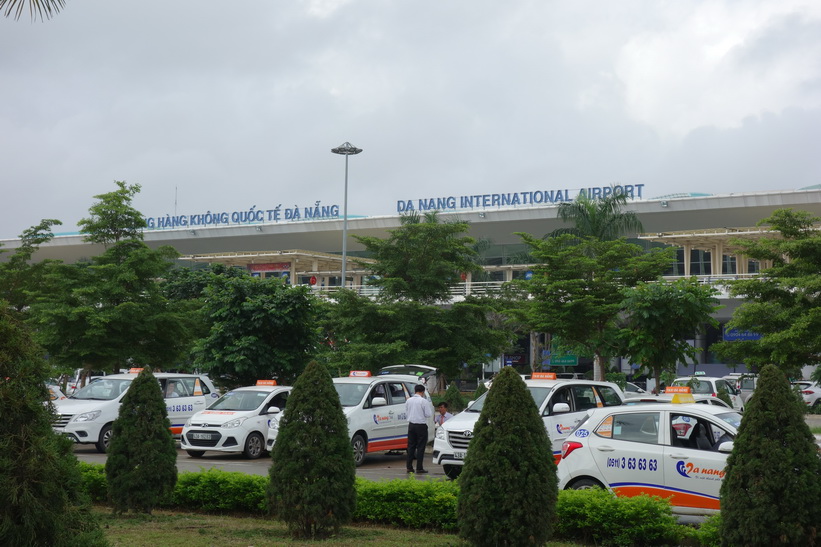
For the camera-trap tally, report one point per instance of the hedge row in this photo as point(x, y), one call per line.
point(589, 516)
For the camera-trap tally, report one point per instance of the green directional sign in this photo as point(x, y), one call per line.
point(566, 360)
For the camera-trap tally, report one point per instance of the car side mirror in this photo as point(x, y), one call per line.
point(726, 447)
point(379, 401)
point(561, 408)
point(273, 410)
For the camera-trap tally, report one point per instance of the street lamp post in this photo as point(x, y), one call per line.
point(346, 149)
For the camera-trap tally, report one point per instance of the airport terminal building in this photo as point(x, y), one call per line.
point(304, 245)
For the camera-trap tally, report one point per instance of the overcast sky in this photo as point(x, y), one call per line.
point(223, 106)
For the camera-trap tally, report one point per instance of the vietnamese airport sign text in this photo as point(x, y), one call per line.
point(317, 211)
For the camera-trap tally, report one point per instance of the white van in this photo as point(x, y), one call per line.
point(86, 416)
point(375, 409)
point(562, 405)
point(711, 385)
point(236, 422)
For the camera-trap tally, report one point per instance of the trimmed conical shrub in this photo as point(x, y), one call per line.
point(42, 500)
point(456, 401)
point(508, 488)
point(142, 458)
point(771, 493)
point(480, 390)
point(313, 473)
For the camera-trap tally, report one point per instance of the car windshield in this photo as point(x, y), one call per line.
point(103, 389)
point(350, 394)
point(240, 400)
point(732, 418)
point(539, 394)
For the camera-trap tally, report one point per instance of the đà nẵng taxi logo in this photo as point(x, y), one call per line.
point(690, 470)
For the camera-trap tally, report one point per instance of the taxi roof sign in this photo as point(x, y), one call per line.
point(543, 376)
point(360, 373)
point(135, 370)
point(677, 389)
point(266, 382)
point(681, 398)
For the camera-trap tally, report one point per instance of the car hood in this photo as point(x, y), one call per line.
point(462, 421)
point(218, 417)
point(78, 406)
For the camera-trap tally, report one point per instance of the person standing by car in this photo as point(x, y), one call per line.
point(419, 411)
point(443, 415)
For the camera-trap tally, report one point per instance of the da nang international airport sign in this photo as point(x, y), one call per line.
point(734, 335)
point(317, 211)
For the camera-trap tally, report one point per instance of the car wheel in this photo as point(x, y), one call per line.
point(254, 446)
point(359, 448)
point(105, 439)
point(585, 484)
point(452, 471)
point(195, 453)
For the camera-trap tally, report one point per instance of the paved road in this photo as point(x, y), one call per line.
point(377, 466)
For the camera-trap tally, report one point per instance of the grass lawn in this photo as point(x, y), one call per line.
point(175, 529)
point(172, 529)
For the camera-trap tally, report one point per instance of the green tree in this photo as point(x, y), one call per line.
point(771, 493)
point(259, 328)
point(313, 473)
point(19, 277)
point(783, 304)
point(601, 218)
point(508, 488)
point(42, 500)
point(422, 259)
point(660, 316)
point(113, 219)
point(362, 334)
point(141, 466)
point(577, 290)
point(109, 313)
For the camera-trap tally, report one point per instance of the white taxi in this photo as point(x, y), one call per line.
point(236, 422)
point(375, 409)
point(87, 415)
point(562, 404)
point(711, 385)
point(674, 451)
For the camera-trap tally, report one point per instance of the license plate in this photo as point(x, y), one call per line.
point(459, 455)
point(201, 436)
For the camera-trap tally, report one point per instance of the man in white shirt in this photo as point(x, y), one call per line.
point(419, 411)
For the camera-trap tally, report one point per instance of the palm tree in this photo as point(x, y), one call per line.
point(44, 9)
point(601, 218)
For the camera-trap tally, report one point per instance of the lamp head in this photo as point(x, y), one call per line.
point(346, 149)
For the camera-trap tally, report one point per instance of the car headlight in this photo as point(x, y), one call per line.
point(273, 423)
point(88, 416)
point(440, 433)
point(233, 423)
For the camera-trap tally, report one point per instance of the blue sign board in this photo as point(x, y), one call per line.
point(734, 335)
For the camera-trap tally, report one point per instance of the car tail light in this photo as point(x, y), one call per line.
point(807, 392)
point(568, 447)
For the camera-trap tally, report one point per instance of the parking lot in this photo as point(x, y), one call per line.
point(376, 466)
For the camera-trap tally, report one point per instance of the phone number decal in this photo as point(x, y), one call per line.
point(642, 464)
point(179, 408)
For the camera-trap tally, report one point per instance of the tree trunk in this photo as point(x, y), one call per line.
point(598, 367)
